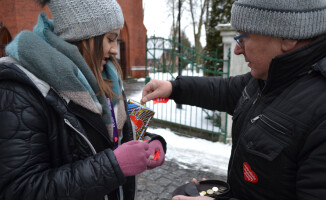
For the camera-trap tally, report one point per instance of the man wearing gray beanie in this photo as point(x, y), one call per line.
point(278, 109)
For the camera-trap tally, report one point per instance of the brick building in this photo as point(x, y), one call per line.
point(5, 38)
point(18, 15)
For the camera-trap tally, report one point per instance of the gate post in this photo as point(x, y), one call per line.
point(237, 65)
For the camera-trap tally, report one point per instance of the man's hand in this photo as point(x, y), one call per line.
point(181, 197)
point(156, 89)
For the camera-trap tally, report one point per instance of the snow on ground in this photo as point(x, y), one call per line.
point(195, 152)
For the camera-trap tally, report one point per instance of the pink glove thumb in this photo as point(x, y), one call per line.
point(132, 157)
point(157, 156)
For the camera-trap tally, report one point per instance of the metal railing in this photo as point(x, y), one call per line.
point(163, 61)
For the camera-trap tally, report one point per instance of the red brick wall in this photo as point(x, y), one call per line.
point(8, 15)
point(133, 13)
point(18, 15)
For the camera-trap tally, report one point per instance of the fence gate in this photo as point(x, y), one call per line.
point(164, 62)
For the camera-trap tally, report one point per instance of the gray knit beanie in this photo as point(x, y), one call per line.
point(291, 19)
point(76, 20)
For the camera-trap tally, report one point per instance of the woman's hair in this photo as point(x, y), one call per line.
point(92, 51)
point(42, 2)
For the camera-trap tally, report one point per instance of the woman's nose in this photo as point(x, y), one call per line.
point(114, 49)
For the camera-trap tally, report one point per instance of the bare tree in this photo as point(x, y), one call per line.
point(198, 20)
point(198, 10)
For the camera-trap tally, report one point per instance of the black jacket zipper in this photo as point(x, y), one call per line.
point(251, 110)
point(270, 123)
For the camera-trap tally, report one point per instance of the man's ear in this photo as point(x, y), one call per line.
point(288, 45)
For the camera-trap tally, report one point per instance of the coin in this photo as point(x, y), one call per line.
point(202, 193)
point(215, 189)
point(222, 189)
point(210, 191)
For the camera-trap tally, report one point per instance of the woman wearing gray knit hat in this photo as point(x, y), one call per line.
point(65, 131)
point(279, 117)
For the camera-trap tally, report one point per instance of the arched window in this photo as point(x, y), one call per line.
point(5, 38)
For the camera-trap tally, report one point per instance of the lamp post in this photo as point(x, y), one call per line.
point(179, 39)
point(179, 106)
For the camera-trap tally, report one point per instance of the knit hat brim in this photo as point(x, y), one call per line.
point(288, 24)
point(87, 29)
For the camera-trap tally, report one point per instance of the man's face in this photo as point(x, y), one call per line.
point(258, 51)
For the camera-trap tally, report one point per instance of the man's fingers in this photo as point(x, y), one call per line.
point(148, 89)
point(150, 96)
point(195, 181)
point(181, 197)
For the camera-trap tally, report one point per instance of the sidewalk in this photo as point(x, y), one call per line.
point(159, 183)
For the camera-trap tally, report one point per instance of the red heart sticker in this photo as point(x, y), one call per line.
point(115, 139)
point(248, 174)
point(157, 155)
point(138, 123)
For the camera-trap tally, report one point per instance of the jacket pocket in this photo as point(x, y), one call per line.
point(268, 135)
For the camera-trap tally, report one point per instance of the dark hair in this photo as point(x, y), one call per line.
point(42, 2)
point(93, 55)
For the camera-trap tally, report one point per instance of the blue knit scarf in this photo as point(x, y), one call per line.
point(61, 65)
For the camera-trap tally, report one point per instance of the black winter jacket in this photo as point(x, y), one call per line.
point(279, 125)
point(53, 150)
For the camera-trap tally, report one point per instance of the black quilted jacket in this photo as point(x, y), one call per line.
point(53, 150)
point(279, 125)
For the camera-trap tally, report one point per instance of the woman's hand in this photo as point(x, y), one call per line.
point(157, 156)
point(156, 89)
point(133, 157)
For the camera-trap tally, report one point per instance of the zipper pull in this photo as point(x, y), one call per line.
point(253, 120)
point(258, 96)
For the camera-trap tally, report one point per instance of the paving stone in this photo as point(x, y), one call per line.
point(156, 185)
point(164, 181)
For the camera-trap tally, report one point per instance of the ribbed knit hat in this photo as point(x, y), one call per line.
point(76, 20)
point(291, 19)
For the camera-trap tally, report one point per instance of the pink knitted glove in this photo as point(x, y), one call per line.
point(132, 157)
point(157, 155)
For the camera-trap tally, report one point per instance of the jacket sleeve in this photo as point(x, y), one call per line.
point(214, 93)
point(26, 162)
point(311, 181)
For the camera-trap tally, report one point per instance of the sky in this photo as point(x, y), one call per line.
point(158, 22)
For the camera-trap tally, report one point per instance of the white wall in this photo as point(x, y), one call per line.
point(237, 63)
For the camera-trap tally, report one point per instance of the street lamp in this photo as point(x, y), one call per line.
point(179, 106)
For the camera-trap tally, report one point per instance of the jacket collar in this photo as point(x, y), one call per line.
point(286, 68)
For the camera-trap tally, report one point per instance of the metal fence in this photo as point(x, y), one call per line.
point(165, 60)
